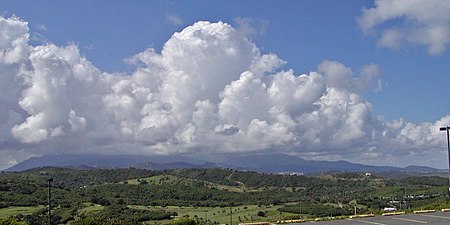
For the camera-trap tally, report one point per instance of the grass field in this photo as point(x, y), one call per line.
point(90, 208)
point(15, 210)
point(240, 214)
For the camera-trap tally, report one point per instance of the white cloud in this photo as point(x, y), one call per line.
point(174, 20)
point(418, 22)
point(209, 90)
point(13, 41)
point(337, 75)
point(251, 27)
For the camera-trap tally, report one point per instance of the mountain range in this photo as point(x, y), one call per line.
point(267, 163)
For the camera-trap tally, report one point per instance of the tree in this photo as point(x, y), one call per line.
point(11, 221)
point(104, 202)
point(89, 221)
point(261, 213)
point(184, 221)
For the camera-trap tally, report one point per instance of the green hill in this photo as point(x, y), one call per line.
point(135, 195)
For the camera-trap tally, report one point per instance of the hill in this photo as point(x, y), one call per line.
point(267, 163)
point(130, 195)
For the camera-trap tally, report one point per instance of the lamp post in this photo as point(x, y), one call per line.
point(49, 202)
point(447, 128)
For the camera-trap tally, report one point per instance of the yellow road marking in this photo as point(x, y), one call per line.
point(369, 222)
point(409, 220)
point(434, 216)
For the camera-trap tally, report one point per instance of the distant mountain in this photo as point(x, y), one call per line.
point(275, 163)
point(267, 163)
point(174, 165)
point(97, 161)
point(421, 169)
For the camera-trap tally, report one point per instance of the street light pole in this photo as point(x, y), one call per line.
point(49, 202)
point(447, 128)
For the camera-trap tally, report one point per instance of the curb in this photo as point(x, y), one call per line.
point(361, 216)
point(424, 211)
point(291, 221)
point(393, 213)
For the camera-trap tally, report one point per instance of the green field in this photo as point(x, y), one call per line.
point(241, 214)
point(91, 208)
point(16, 210)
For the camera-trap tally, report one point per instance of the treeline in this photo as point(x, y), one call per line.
point(318, 210)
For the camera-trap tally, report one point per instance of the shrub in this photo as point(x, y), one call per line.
point(261, 213)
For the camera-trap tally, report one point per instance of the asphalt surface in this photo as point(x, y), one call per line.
point(438, 218)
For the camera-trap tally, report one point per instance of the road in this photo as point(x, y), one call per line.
point(438, 218)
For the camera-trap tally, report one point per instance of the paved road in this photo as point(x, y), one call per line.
point(438, 218)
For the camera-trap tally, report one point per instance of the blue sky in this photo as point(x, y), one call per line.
point(409, 49)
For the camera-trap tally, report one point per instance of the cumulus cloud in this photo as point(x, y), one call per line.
point(339, 76)
point(210, 90)
point(418, 22)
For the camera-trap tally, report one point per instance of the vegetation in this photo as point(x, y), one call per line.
point(203, 196)
point(317, 210)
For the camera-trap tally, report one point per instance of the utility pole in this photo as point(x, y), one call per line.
point(447, 128)
point(49, 202)
point(403, 198)
point(231, 215)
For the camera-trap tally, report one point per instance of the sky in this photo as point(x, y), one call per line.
point(363, 81)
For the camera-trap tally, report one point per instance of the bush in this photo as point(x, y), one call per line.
point(11, 221)
point(88, 221)
point(261, 213)
point(104, 202)
point(184, 221)
point(318, 210)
